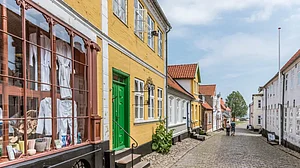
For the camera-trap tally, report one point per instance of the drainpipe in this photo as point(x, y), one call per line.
point(266, 105)
point(166, 78)
point(282, 107)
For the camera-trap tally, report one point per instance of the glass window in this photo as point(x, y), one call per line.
point(151, 102)
point(120, 9)
point(150, 23)
point(182, 111)
point(139, 19)
point(159, 43)
point(159, 103)
point(170, 113)
point(66, 123)
point(139, 99)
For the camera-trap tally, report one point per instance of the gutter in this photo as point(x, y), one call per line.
point(162, 14)
point(166, 76)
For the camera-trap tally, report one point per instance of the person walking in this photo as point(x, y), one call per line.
point(232, 125)
point(228, 128)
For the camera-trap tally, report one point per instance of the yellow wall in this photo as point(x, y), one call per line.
point(197, 111)
point(124, 34)
point(89, 9)
point(141, 132)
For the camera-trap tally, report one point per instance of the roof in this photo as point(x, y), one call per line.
point(161, 12)
point(223, 106)
point(173, 84)
point(291, 61)
point(183, 71)
point(207, 89)
point(206, 106)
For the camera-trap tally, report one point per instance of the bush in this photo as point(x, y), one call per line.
point(162, 139)
point(202, 132)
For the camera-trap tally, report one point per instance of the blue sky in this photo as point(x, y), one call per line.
point(235, 42)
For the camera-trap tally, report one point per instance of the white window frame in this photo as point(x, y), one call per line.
point(139, 93)
point(159, 102)
point(119, 10)
point(150, 24)
point(139, 19)
point(171, 107)
point(151, 89)
point(159, 43)
point(183, 103)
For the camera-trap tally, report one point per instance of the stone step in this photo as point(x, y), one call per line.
point(201, 137)
point(125, 162)
point(142, 164)
point(122, 153)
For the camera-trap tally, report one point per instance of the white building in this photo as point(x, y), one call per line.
point(289, 98)
point(256, 112)
point(217, 114)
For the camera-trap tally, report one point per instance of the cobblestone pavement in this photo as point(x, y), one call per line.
point(245, 150)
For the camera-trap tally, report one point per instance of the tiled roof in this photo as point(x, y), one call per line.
point(173, 84)
point(291, 61)
point(207, 89)
point(206, 106)
point(223, 106)
point(184, 71)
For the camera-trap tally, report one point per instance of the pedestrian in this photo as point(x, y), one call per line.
point(232, 125)
point(228, 128)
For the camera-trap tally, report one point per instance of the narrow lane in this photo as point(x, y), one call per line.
point(244, 150)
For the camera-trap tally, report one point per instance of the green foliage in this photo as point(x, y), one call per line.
point(237, 104)
point(162, 139)
point(202, 132)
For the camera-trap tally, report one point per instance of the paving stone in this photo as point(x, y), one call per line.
point(245, 150)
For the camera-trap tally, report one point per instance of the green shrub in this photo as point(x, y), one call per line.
point(162, 139)
point(202, 132)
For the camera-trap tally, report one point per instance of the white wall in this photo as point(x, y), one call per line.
point(291, 112)
point(257, 111)
point(186, 84)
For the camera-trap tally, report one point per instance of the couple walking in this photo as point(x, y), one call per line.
point(230, 127)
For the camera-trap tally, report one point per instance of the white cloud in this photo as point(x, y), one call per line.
point(202, 12)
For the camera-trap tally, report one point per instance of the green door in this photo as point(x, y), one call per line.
point(118, 116)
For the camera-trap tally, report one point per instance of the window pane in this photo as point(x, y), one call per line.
point(136, 86)
point(64, 123)
point(35, 19)
point(136, 102)
point(64, 77)
point(79, 50)
point(80, 98)
point(14, 20)
point(80, 76)
point(82, 130)
point(141, 104)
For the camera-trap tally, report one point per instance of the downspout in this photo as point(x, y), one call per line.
point(282, 106)
point(166, 77)
point(266, 110)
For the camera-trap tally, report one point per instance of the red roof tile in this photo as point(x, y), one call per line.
point(184, 71)
point(223, 106)
point(173, 84)
point(291, 61)
point(206, 106)
point(207, 89)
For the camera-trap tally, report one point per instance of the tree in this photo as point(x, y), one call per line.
point(237, 104)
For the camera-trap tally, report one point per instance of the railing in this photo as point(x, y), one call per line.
point(133, 145)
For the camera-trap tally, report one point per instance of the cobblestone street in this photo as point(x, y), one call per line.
point(246, 149)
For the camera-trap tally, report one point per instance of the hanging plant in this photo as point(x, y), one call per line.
point(162, 139)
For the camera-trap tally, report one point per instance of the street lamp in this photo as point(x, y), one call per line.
point(279, 94)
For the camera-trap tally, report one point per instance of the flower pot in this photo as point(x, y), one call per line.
point(40, 146)
point(48, 143)
point(31, 152)
point(31, 143)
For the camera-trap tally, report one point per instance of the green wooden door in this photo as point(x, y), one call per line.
point(118, 116)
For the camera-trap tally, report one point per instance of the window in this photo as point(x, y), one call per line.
point(209, 118)
point(292, 79)
point(139, 99)
point(170, 112)
point(159, 43)
point(294, 103)
point(150, 30)
point(286, 81)
point(298, 128)
point(195, 87)
point(259, 103)
point(159, 102)
point(26, 89)
point(299, 77)
point(151, 102)
point(139, 19)
point(288, 104)
point(259, 120)
point(120, 9)
point(182, 111)
point(178, 112)
point(285, 123)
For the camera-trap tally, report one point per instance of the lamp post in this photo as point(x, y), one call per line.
point(279, 86)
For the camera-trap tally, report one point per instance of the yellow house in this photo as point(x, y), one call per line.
point(188, 76)
point(136, 72)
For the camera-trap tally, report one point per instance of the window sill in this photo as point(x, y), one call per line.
point(151, 48)
point(141, 38)
point(125, 24)
point(177, 124)
point(137, 122)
